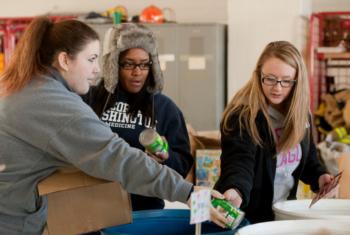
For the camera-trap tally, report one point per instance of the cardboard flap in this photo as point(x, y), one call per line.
point(88, 209)
point(204, 142)
point(343, 162)
point(66, 178)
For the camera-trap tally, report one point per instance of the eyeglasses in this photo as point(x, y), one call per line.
point(132, 66)
point(272, 81)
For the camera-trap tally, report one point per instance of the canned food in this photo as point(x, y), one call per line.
point(152, 141)
point(233, 214)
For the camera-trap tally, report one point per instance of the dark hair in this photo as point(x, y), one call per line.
point(38, 46)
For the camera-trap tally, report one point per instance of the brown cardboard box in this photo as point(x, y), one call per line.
point(78, 203)
point(207, 167)
point(201, 140)
point(344, 165)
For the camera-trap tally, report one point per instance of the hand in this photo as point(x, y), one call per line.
point(215, 216)
point(159, 157)
point(233, 196)
point(324, 181)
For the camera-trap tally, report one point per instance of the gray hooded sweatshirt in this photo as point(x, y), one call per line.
point(45, 126)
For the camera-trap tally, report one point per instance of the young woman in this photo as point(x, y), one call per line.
point(44, 124)
point(129, 100)
point(266, 136)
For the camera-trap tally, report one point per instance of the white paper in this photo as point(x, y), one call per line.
point(166, 57)
point(196, 63)
point(200, 206)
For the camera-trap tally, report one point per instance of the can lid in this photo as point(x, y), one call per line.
point(147, 136)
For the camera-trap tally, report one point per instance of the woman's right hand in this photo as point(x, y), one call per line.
point(233, 196)
point(215, 216)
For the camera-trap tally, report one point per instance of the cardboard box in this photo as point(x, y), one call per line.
point(206, 140)
point(205, 148)
point(344, 165)
point(207, 167)
point(78, 203)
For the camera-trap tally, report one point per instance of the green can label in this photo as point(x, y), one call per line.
point(152, 141)
point(232, 214)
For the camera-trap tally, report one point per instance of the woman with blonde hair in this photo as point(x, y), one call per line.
point(267, 141)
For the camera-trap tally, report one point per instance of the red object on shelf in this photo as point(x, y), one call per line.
point(152, 14)
point(318, 62)
point(11, 30)
point(346, 24)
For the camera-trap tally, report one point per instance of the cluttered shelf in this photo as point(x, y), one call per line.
point(337, 56)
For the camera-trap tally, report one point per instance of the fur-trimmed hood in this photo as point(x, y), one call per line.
point(120, 38)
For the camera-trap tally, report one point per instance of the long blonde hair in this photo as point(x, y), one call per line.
point(250, 99)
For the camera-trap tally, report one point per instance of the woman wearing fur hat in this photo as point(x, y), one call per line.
point(44, 125)
point(129, 100)
point(266, 142)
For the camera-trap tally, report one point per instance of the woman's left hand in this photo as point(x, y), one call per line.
point(160, 157)
point(323, 181)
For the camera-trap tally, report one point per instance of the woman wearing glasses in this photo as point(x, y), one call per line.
point(266, 136)
point(129, 100)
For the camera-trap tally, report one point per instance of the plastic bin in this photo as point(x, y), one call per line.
point(299, 227)
point(167, 221)
point(323, 209)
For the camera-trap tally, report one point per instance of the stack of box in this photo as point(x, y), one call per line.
point(205, 146)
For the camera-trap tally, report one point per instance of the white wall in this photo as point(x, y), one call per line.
point(186, 10)
point(253, 24)
point(330, 5)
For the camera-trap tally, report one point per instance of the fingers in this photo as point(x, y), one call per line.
point(217, 194)
point(156, 159)
point(162, 156)
point(325, 179)
point(217, 217)
point(159, 157)
point(234, 197)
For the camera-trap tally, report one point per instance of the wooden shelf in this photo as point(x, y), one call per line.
point(334, 56)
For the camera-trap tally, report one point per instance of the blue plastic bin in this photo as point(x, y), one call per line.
point(166, 222)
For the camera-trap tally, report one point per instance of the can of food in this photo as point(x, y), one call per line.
point(233, 214)
point(152, 141)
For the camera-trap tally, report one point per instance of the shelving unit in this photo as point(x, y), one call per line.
point(334, 56)
point(329, 70)
point(11, 30)
point(323, 65)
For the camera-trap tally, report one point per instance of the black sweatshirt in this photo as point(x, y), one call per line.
point(251, 168)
